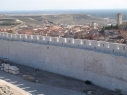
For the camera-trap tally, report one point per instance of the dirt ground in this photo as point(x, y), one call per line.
point(60, 81)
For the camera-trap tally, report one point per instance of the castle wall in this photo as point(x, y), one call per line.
point(105, 64)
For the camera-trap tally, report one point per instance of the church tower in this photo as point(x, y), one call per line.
point(119, 19)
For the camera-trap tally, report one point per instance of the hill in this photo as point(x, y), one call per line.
point(62, 19)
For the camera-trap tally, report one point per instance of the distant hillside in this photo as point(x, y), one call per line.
point(3, 16)
point(63, 19)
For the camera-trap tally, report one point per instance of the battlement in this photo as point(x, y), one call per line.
point(107, 47)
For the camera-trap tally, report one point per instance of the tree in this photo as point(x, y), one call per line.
point(111, 26)
point(116, 26)
point(102, 31)
point(126, 27)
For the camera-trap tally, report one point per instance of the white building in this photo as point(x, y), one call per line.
point(94, 25)
point(122, 25)
point(119, 19)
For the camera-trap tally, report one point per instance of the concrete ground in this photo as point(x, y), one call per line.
point(34, 88)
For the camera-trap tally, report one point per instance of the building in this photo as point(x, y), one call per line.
point(122, 25)
point(119, 19)
point(94, 25)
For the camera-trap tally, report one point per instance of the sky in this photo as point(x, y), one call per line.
point(16, 5)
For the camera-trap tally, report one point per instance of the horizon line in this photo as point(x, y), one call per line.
point(63, 9)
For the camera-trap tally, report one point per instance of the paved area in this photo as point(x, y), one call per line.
point(35, 88)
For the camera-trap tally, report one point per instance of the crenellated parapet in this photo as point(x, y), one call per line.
point(100, 46)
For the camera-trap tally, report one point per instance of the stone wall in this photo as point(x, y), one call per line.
point(82, 59)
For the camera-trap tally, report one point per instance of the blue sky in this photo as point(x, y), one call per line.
point(15, 5)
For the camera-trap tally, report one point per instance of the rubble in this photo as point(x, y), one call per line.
point(29, 78)
point(89, 92)
point(36, 81)
point(9, 69)
point(5, 90)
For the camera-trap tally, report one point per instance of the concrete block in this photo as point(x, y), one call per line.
point(6, 70)
point(6, 66)
point(30, 78)
point(15, 72)
point(89, 92)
